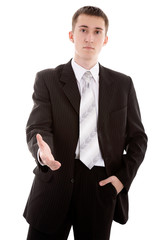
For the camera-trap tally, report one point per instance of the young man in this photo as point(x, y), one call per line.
point(84, 117)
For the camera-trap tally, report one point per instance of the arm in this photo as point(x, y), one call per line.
point(136, 143)
point(40, 121)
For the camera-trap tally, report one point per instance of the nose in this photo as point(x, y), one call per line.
point(89, 38)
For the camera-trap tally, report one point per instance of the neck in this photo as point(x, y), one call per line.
point(85, 63)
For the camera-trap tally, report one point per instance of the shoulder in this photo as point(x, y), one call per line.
point(119, 79)
point(116, 75)
point(48, 76)
point(45, 73)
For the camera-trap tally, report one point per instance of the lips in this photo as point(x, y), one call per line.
point(88, 47)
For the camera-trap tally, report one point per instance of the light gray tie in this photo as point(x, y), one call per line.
point(89, 146)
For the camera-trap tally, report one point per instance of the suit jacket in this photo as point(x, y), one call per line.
point(55, 115)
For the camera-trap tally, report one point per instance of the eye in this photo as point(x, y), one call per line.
point(83, 30)
point(98, 32)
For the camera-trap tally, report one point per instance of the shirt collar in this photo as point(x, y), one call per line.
point(79, 71)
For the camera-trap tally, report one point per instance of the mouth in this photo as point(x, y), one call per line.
point(88, 48)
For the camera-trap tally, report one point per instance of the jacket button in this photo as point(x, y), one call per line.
point(72, 180)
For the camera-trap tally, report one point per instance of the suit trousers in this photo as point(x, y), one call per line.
point(91, 209)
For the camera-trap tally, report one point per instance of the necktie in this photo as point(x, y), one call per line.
point(89, 146)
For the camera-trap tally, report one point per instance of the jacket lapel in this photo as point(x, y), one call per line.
point(105, 96)
point(70, 87)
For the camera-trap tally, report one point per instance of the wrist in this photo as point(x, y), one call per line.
point(39, 158)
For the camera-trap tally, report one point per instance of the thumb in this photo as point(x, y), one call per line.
point(40, 141)
point(105, 181)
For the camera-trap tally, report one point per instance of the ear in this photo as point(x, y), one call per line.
point(71, 37)
point(105, 40)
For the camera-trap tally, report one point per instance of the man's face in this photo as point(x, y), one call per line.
point(89, 36)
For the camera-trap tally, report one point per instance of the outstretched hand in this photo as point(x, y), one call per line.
point(46, 155)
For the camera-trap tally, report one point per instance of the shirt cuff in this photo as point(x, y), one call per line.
point(39, 159)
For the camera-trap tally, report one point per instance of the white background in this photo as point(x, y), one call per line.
point(34, 36)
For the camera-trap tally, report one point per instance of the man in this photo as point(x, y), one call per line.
point(84, 117)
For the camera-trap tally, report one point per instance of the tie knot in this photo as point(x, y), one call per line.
point(87, 75)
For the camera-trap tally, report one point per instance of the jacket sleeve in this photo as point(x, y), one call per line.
point(136, 142)
point(40, 119)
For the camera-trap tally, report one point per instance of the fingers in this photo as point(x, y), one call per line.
point(54, 165)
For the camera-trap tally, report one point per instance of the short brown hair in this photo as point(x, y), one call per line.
point(91, 11)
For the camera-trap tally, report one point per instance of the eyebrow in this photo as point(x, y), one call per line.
point(87, 27)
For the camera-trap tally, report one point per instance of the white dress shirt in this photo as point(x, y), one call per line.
point(79, 72)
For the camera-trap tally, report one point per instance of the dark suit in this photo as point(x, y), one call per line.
point(55, 116)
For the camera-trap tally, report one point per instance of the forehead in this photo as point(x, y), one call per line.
point(90, 21)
